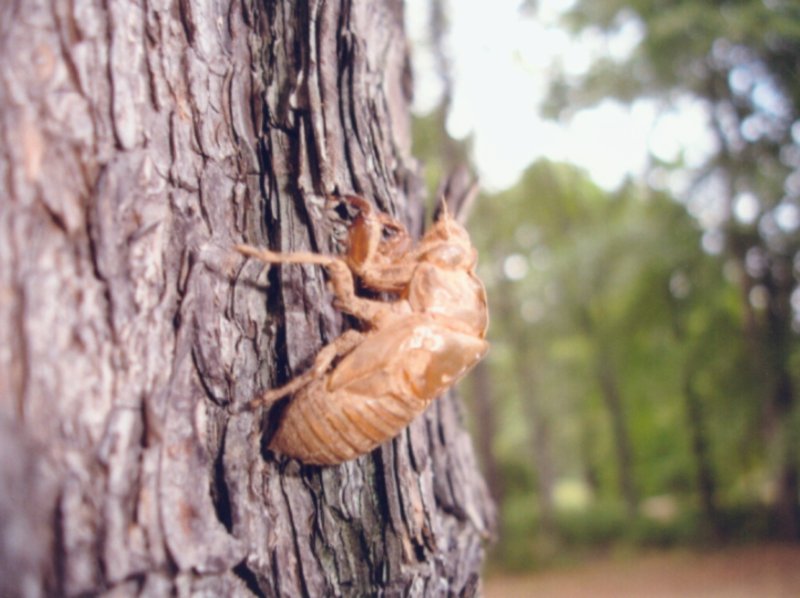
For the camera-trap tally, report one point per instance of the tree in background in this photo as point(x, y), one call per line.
point(738, 60)
point(642, 339)
point(601, 304)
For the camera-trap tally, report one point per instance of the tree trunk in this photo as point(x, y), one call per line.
point(696, 424)
point(609, 389)
point(612, 398)
point(778, 345)
point(539, 430)
point(482, 395)
point(140, 143)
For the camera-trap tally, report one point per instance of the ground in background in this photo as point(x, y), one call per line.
point(764, 571)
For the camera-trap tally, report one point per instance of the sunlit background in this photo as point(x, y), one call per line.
point(638, 236)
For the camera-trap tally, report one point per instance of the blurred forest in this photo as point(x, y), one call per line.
point(642, 384)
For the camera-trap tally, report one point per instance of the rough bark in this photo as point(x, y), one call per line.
point(140, 142)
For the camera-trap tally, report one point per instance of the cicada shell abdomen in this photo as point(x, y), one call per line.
point(375, 391)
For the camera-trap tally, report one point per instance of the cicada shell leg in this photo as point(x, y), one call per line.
point(338, 347)
point(341, 277)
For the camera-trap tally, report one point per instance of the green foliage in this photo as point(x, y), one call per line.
point(600, 526)
point(662, 313)
point(629, 367)
point(606, 527)
point(517, 549)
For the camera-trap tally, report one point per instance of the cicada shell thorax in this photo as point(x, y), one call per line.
point(444, 284)
point(455, 296)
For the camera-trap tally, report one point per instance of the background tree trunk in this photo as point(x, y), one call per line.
point(482, 394)
point(140, 141)
point(541, 453)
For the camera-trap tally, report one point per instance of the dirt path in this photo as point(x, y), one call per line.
point(749, 572)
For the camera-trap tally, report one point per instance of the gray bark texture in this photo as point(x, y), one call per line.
point(140, 142)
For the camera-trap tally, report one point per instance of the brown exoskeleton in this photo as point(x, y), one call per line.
point(413, 349)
